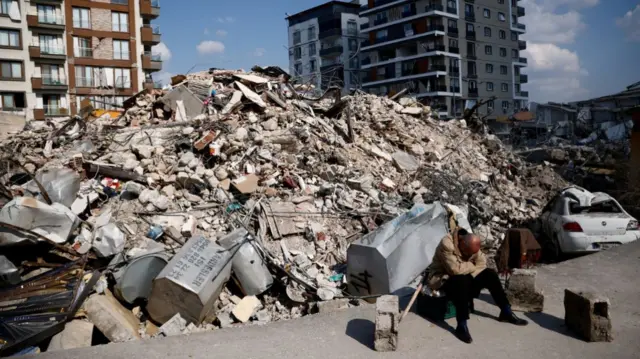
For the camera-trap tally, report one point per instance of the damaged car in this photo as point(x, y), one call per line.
point(577, 221)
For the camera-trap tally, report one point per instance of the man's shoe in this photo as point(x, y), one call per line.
point(509, 317)
point(462, 333)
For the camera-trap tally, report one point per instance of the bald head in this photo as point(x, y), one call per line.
point(469, 244)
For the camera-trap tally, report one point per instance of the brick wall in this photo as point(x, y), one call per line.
point(101, 19)
point(102, 49)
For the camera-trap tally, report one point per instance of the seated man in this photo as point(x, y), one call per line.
point(459, 270)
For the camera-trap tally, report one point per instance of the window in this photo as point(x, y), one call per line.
point(352, 28)
point(452, 4)
point(47, 15)
point(8, 100)
point(381, 18)
point(353, 62)
point(85, 76)
point(81, 18)
point(471, 68)
point(298, 69)
point(120, 21)
point(122, 78)
point(353, 45)
point(514, 53)
point(503, 69)
point(471, 49)
point(454, 64)
point(517, 89)
point(408, 29)
point(468, 10)
point(311, 33)
point(488, 50)
point(487, 13)
point(489, 68)
point(470, 28)
point(487, 31)
point(502, 34)
point(453, 43)
point(453, 25)
point(455, 85)
point(10, 38)
point(12, 100)
point(11, 70)
point(4, 7)
point(514, 19)
point(473, 86)
point(296, 37)
point(312, 65)
point(52, 74)
point(489, 86)
point(504, 87)
point(297, 53)
point(505, 105)
point(381, 71)
point(490, 105)
point(82, 47)
point(312, 49)
point(503, 52)
point(381, 35)
point(406, 9)
point(501, 17)
point(514, 36)
point(120, 50)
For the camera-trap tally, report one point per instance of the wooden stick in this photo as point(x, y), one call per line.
point(413, 299)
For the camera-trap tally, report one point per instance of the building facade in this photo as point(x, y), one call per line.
point(323, 46)
point(55, 53)
point(448, 53)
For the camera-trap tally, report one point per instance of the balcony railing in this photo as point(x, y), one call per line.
point(521, 26)
point(471, 35)
point(331, 50)
point(364, 26)
point(452, 10)
point(366, 61)
point(53, 80)
point(434, 7)
point(473, 92)
point(524, 79)
point(50, 50)
point(452, 31)
point(522, 59)
point(524, 93)
point(54, 110)
point(154, 57)
point(123, 83)
point(120, 2)
point(522, 45)
point(521, 11)
point(435, 48)
point(408, 13)
point(454, 71)
point(121, 55)
point(470, 17)
point(433, 68)
point(155, 3)
point(435, 27)
point(454, 88)
point(454, 50)
point(377, 22)
point(85, 82)
point(48, 19)
point(82, 24)
point(472, 76)
point(82, 52)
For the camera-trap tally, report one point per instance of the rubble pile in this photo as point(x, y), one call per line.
point(230, 198)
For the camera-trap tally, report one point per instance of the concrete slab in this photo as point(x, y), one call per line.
point(350, 333)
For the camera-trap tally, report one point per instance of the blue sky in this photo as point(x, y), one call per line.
point(577, 49)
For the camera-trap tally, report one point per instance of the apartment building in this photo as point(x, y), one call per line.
point(323, 45)
point(448, 53)
point(65, 51)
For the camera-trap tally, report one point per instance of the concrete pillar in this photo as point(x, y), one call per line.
point(587, 314)
point(387, 321)
point(522, 293)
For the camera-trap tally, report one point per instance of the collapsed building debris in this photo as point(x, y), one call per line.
point(230, 198)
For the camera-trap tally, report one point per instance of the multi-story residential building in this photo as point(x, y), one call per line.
point(63, 51)
point(448, 53)
point(323, 45)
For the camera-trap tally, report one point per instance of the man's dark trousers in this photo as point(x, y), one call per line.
point(461, 289)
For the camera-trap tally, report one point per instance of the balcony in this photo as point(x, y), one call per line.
point(150, 34)
point(454, 71)
point(472, 76)
point(408, 13)
point(472, 57)
point(521, 26)
point(435, 48)
point(473, 92)
point(454, 88)
point(327, 51)
point(435, 28)
point(523, 93)
point(454, 50)
point(330, 33)
point(452, 10)
point(85, 82)
point(364, 26)
point(377, 22)
point(471, 35)
point(120, 2)
point(436, 67)
point(452, 31)
point(49, 111)
point(521, 11)
point(45, 21)
point(522, 45)
point(150, 8)
point(47, 52)
point(83, 52)
point(522, 60)
point(434, 7)
point(151, 62)
point(49, 82)
point(366, 61)
point(524, 79)
point(470, 17)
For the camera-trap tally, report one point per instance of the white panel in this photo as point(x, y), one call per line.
point(108, 71)
point(39, 102)
point(63, 101)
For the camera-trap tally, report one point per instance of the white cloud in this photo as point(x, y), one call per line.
point(206, 31)
point(210, 47)
point(221, 33)
point(226, 20)
point(630, 23)
point(549, 57)
point(162, 50)
point(551, 5)
point(259, 52)
point(547, 26)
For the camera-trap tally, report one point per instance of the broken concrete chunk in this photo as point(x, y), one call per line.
point(114, 321)
point(270, 125)
point(522, 292)
point(405, 161)
point(173, 326)
point(246, 184)
point(234, 102)
point(588, 315)
point(387, 322)
point(189, 228)
point(147, 195)
point(252, 96)
point(76, 334)
point(246, 308)
point(412, 111)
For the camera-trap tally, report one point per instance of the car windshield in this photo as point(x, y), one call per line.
point(599, 207)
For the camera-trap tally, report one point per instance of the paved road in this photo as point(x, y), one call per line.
point(349, 334)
